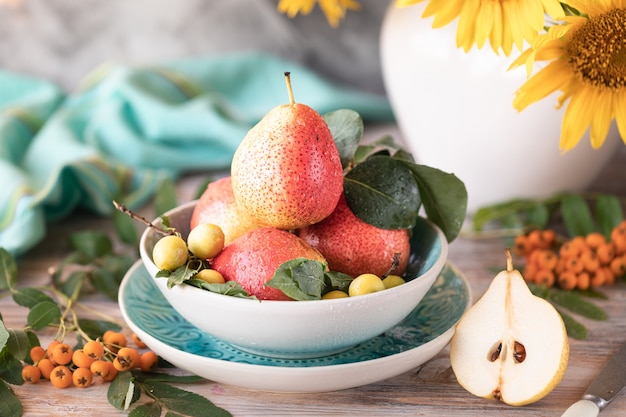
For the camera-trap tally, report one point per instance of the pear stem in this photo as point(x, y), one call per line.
point(509, 260)
point(289, 89)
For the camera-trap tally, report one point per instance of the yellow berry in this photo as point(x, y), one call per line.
point(365, 284)
point(211, 276)
point(391, 281)
point(334, 294)
point(206, 240)
point(170, 252)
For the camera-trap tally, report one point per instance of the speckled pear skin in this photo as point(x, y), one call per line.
point(217, 205)
point(287, 173)
point(252, 259)
point(354, 247)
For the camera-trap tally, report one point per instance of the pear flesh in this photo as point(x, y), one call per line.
point(511, 345)
point(287, 172)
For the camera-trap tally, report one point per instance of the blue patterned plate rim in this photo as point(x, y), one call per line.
point(146, 309)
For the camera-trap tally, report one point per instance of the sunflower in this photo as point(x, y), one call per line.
point(334, 10)
point(504, 22)
point(588, 66)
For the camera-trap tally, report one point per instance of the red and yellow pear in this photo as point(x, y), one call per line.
point(217, 206)
point(355, 247)
point(252, 259)
point(287, 172)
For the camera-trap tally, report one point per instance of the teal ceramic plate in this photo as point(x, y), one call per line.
point(415, 340)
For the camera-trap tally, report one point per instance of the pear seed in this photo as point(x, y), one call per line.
point(496, 353)
point(519, 352)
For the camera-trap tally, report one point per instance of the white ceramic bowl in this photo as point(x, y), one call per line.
point(301, 329)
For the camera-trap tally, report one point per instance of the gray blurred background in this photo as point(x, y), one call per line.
point(63, 40)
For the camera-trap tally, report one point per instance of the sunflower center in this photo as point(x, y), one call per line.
point(597, 50)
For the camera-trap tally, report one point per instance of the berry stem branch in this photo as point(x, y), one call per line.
point(137, 217)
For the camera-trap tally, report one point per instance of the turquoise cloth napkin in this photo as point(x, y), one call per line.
point(127, 129)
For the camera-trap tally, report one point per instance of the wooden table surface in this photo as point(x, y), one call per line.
point(429, 390)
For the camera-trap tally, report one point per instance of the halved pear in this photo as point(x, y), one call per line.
point(511, 345)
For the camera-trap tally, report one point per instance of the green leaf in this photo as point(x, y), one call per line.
point(577, 304)
point(73, 283)
point(337, 281)
point(177, 277)
point(126, 228)
point(230, 288)
point(91, 243)
point(165, 198)
point(444, 197)
point(576, 216)
point(496, 212)
point(184, 402)
point(346, 126)
point(573, 328)
point(18, 344)
point(28, 297)
point(158, 376)
point(120, 388)
point(146, 410)
point(105, 282)
point(96, 328)
point(300, 279)
point(537, 216)
point(10, 368)
point(608, 213)
point(4, 335)
point(381, 191)
point(8, 270)
point(10, 405)
point(43, 314)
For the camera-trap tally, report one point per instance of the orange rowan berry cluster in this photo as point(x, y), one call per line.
point(64, 366)
point(582, 262)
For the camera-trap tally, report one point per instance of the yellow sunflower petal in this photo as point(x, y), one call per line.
point(553, 8)
point(577, 119)
point(550, 79)
point(466, 26)
point(602, 118)
point(619, 103)
point(444, 11)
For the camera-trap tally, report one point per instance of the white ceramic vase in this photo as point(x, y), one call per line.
point(455, 112)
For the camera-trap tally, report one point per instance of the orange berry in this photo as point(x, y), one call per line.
point(46, 366)
point(590, 261)
point(567, 280)
point(127, 358)
point(61, 376)
point(51, 347)
point(37, 353)
point(619, 243)
point(583, 280)
point(112, 373)
point(100, 368)
point(521, 246)
point(618, 266)
point(94, 349)
point(597, 278)
point(609, 276)
point(81, 359)
point(548, 237)
point(148, 361)
point(545, 277)
point(62, 354)
point(535, 240)
point(568, 250)
point(82, 377)
point(529, 272)
point(574, 265)
point(606, 252)
point(138, 342)
point(546, 259)
point(595, 239)
point(114, 340)
point(31, 374)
